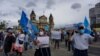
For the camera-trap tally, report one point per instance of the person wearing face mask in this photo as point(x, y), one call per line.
point(19, 44)
point(9, 42)
point(43, 46)
point(81, 42)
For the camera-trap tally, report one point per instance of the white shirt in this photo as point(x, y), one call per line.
point(20, 37)
point(52, 34)
point(56, 35)
point(26, 38)
point(81, 42)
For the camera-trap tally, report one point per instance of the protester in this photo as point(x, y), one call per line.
point(19, 45)
point(81, 42)
point(95, 35)
point(9, 42)
point(52, 36)
point(57, 38)
point(69, 43)
point(26, 41)
point(62, 35)
point(31, 45)
point(43, 47)
point(1, 40)
point(66, 38)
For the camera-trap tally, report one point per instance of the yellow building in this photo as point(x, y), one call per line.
point(42, 22)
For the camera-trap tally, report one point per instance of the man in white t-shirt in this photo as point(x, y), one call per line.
point(81, 42)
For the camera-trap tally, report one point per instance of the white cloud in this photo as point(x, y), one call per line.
point(61, 9)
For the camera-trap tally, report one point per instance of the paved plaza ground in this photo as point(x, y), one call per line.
point(94, 50)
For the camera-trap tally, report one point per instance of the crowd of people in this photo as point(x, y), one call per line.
point(14, 43)
point(75, 40)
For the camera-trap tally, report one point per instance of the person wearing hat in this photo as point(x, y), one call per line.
point(81, 42)
point(9, 42)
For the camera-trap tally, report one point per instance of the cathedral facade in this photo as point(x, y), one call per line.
point(43, 22)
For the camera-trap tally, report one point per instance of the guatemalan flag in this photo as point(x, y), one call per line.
point(23, 22)
point(27, 25)
point(33, 30)
point(87, 26)
point(32, 27)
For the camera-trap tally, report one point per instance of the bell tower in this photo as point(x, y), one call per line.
point(51, 21)
point(33, 17)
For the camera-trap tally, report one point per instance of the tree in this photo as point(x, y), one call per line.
point(3, 24)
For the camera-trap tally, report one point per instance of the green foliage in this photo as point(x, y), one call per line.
point(3, 25)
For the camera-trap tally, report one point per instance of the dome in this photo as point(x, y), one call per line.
point(43, 17)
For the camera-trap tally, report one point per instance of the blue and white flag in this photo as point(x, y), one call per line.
point(27, 25)
point(87, 26)
point(32, 26)
point(24, 20)
point(33, 30)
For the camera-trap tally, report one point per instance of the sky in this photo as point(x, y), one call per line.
point(64, 11)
